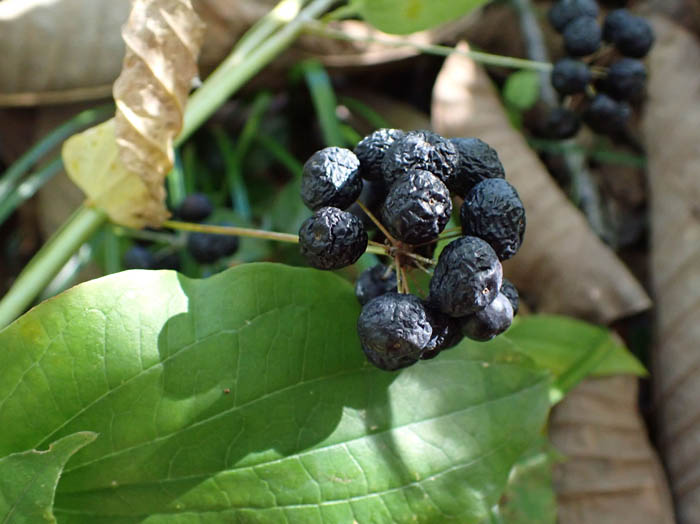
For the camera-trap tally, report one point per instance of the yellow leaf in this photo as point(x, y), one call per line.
point(91, 159)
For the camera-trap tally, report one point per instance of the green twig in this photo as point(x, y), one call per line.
point(28, 187)
point(319, 28)
point(324, 100)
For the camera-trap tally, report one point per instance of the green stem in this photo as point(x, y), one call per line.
point(234, 176)
point(364, 111)
point(325, 103)
point(240, 66)
point(316, 27)
point(55, 137)
point(281, 154)
point(28, 187)
point(50, 258)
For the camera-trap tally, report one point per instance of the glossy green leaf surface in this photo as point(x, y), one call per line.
point(408, 16)
point(558, 343)
point(28, 480)
point(245, 397)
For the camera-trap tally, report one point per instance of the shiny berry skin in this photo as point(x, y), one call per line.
point(417, 208)
point(467, 277)
point(632, 35)
point(371, 149)
point(511, 292)
point(195, 208)
point(582, 36)
point(477, 161)
point(494, 212)
point(564, 11)
point(491, 321)
point(332, 238)
point(374, 282)
point(331, 179)
point(447, 333)
point(422, 150)
point(395, 327)
point(570, 76)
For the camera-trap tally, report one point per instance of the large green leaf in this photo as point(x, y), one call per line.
point(407, 16)
point(245, 398)
point(28, 480)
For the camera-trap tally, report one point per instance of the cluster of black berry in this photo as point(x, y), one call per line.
point(412, 178)
point(598, 87)
point(205, 248)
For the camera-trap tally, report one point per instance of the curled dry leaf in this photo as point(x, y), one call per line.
point(671, 129)
point(563, 267)
point(611, 474)
point(91, 159)
point(163, 38)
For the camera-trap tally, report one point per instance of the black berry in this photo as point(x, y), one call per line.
point(138, 257)
point(632, 35)
point(417, 208)
point(605, 115)
point(582, 36)
point(570, 76)
point(419, 150)
point(467, 277)
point(491, 321)
point(227, 245)
point(195, 208)
point(561, 123)
point(494, 212)
point(331, 178)
point(371, 149)
point(394, 329)
point(564, 11)
point(206, 248)
point(511, 292)
point(447, 333)
point(372, 196)
point(167, 261)
point(332, 238)
point(626, 79)
point(374, 282)
point(477, 161)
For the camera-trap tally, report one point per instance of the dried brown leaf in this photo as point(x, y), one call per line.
point(562, 265)
point(163, 38)
point(611, 474)
point(671, 127)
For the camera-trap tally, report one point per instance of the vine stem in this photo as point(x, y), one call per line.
point(377, 223)
point(319, 28)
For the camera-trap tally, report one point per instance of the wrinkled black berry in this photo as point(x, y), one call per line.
point(331, 178)
point(447, 333)
point(511, 292)
point(374, 282)
point(206, 248)
point(561, 123)
point(195, 208)
point(332, 238)
point(138, 257)
point(394, 328)
point(372, 196)
point(570, 76)
point(370, 151)
point(387, 361)
point(477, 161)
point(626, 79)
point(491, 321)
point(419, 150)
point(494, 212)
point(582, 36)
point(467, 277)
point(632, 35)
point(564, 11)
point(605, 115)
point(417, 208)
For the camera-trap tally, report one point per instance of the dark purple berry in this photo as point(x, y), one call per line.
point(632, 35)
point(467, 277)
point(332, 238)
point(511, 292)
point(447, 333)
point(195, 208)
point(604, 115)
point(570, 76)
point(477, 161)
point(138, 257)
point(626, 79)
point(371, 149)
point(561, 123)
point(331, 179)
point(564, 11)
point(489, 322)
point(417, 208)
point(374, 282)
point(582, 36)
point(422, 150)
point(494, 212)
